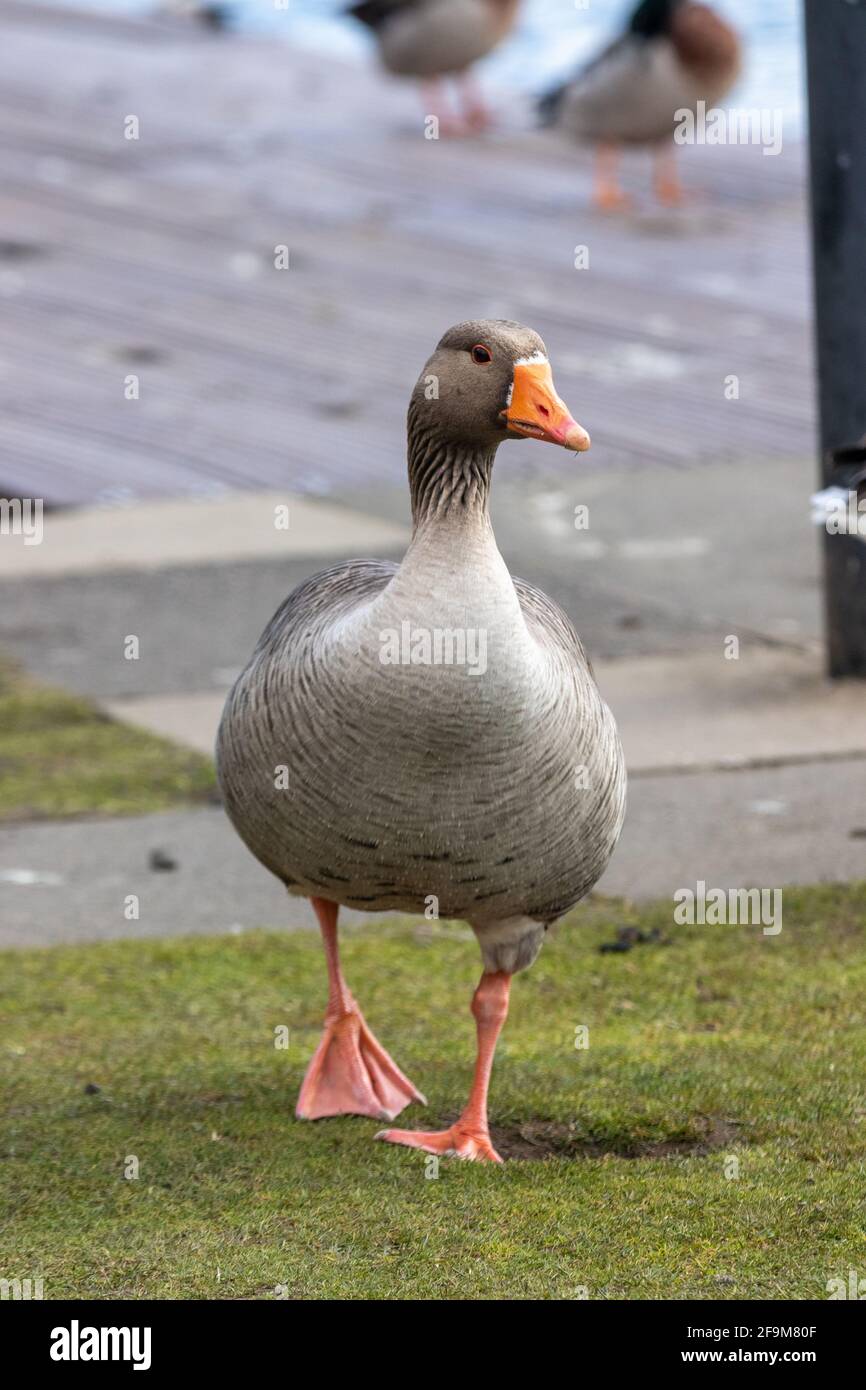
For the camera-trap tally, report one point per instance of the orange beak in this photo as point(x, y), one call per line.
point(538, 412)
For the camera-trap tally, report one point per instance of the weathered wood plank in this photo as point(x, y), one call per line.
point(155, 257)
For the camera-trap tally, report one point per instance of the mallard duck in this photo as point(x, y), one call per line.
point(673, 54)
point(434, 39)
point(430, 732)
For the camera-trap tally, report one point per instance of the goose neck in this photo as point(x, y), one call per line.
point(449, 482)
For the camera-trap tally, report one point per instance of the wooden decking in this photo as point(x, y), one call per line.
point(155, 257)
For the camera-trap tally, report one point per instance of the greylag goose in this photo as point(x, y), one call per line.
point(673, 54)
point(430, 731)
point(433, 39)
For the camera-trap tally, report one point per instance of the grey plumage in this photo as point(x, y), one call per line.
point(432, 38)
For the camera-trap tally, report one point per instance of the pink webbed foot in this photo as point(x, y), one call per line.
point(469, 1137)
point(352, 1074)
point(460, 1140)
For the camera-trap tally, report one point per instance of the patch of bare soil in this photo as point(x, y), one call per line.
point(541, 1139)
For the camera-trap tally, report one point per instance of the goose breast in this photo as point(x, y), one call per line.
point(492, 783)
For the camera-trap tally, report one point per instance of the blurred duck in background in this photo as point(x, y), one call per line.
point(435, 39)
point(673, 54)
point(213, 14)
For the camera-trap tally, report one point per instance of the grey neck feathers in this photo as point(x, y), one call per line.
point(446, 479)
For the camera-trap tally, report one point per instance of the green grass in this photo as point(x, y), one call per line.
point(720, 1045)
point(61, 756)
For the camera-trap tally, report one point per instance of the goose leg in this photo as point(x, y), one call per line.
point(351, 1073)
point(469, 1137)
point(608, 195)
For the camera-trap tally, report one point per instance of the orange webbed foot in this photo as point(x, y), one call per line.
point(608, 195)
point(612, 198)
point(460, 1141)
point(352, 1074)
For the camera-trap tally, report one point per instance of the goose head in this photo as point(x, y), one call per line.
point(487, 381)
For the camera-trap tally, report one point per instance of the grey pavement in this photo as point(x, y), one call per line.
point(771, 705)
point(672, 561)
point(768, 828)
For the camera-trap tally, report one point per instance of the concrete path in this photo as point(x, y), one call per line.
point(672, 563)
point(767, 706)
point(162, 535)
point(197, 580)
point(762, 828)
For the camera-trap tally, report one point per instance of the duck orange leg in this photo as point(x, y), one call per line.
point(608, 195)
point(351, 1073)
point(469, 1137)
point(666, 179)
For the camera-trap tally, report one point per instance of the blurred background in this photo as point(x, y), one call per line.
point(227, 312)
point(549, 39)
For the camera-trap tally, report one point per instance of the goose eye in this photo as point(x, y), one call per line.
point(481, 354)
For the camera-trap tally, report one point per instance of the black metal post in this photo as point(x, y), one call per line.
point(836, 62)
